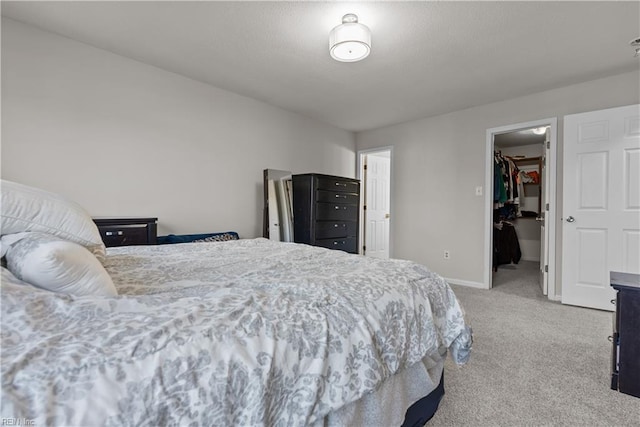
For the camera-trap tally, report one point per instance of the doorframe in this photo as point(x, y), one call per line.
point(550, 216)
point(360, 175)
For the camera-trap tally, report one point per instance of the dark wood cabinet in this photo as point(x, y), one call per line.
point(326, 211)
point(625, 358)
point(127, 231)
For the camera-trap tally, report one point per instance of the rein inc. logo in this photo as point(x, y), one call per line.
point(17, 422)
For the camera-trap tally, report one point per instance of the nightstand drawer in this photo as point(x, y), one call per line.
point(124, 235)
point(127, 231)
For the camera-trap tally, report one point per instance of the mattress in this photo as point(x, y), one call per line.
point(246, 332)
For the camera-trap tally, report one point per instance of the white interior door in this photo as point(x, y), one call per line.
point(601, 203)
point(377, 202)
point(544, 215)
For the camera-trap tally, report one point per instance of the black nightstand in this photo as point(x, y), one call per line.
point(127, 231)
point(625, 358)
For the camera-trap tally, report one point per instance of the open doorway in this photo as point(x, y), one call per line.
point(374, 172)
point(520, 211)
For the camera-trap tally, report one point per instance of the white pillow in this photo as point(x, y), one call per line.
point(27, 208)
point(48, 262)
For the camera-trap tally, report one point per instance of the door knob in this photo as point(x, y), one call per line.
point(570, 219)
point(387, 216)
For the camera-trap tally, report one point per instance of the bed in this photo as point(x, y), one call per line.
point(236, 333)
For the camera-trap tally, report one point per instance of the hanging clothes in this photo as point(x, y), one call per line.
point(507, 196)
point(500, 177)
point(506, 247)
point(506, 186)
point(499, 195)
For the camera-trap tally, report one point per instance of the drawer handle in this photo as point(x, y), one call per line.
point(340, 196)
point(341, 184)
point(335, 242)
point(111, 233)
point(339, 225)
point(344, 208)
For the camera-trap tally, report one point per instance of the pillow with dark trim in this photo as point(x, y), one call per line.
point(219, 237)
point(189, 238)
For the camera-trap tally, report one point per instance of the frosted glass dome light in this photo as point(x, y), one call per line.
point(350, 41)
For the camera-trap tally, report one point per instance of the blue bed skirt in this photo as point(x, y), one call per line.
point(424, 409)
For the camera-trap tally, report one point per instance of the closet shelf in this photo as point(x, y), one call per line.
point(526, 160)
point(532, 189)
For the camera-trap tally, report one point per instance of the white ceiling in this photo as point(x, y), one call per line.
point(518, 138)
point(427, 58)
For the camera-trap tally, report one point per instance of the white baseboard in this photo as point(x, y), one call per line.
point(530, 250)
point(468, 283)
point(557, 298)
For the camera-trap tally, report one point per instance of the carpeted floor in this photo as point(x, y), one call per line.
point(534, 362)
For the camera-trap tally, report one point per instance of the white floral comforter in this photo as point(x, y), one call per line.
point(247, 332)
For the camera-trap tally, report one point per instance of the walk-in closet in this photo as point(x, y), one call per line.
point(518, 210)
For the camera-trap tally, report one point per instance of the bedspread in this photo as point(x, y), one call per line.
point(247, 332)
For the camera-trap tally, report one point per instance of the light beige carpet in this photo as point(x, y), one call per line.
point(534, 362)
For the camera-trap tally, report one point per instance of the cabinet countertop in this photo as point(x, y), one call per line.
point(624, 280)
point(116, 220)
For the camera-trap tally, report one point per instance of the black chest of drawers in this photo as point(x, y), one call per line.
point(127, 231)
point(625, 359)
point(326, 211)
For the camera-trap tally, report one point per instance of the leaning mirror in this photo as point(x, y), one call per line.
point(278, 210)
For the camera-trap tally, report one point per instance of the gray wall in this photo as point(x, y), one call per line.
point(124, 138)
point(438, 162)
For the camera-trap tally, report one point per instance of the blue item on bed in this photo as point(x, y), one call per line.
point(208, 237)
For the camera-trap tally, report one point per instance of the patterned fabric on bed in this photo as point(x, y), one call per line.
point(245, 332)
point(188, 238)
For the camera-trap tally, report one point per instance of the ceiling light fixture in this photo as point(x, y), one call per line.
point(540, 131)
point(351, 41)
